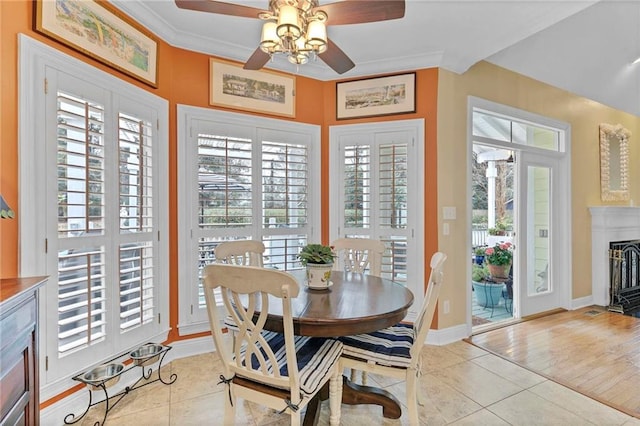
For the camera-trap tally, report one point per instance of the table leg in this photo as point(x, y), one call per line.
point(353, 394)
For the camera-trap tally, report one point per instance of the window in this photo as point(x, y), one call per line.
point(376, 173)
point(97, 157)
point(489, 125)
point(242, 177)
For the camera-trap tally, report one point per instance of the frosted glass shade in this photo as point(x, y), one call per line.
point(288, 23)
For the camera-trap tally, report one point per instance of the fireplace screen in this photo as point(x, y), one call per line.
point(624, 276)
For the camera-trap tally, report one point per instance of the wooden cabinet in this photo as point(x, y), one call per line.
point(19, 402)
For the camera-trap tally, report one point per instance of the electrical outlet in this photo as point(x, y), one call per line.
point(446, 307)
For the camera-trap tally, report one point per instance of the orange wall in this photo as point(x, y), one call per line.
point(183, 79)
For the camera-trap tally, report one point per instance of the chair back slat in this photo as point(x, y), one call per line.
point(362, 255)
point(247, 292)
point(425, 316)
point(241, 252)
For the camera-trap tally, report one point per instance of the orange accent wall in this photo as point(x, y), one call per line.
point(183, 79)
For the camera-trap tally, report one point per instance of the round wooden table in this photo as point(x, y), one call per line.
point(353, 304)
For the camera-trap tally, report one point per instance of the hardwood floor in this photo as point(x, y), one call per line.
point(590, 350)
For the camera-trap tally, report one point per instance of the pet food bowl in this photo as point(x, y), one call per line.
point(146, 354)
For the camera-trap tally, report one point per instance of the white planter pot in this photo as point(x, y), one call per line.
point(318, 275)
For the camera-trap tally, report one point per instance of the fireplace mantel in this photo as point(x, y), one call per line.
point(609, 223)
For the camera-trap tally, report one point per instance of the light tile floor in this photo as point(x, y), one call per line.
point(462, 384)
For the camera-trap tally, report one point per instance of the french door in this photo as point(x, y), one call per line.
point(521, 193)
point(538, 235)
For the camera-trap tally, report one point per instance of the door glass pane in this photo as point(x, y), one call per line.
point(539, 213)
point(392, 184)
point(81, 298)
point(136, 285)
point(80, 160)
point(136, 178)
point(224, 182)
point(284, 185)
point(357, 186)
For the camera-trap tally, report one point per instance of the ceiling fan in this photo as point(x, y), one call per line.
point(297, 28)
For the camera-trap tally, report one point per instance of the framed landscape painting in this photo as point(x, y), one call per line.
point(268, 92)
point(395, 94)
point(99, 31)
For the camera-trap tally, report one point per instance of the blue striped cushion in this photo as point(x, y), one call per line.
point(231, 324)
point(316, 356)
point(389, 346)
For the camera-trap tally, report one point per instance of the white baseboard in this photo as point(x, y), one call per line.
point(581, 302)
point(447, 335)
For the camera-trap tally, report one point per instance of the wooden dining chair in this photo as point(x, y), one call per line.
point(395, 351)
point(278, 370)
point(240, 252)
point(363, 255)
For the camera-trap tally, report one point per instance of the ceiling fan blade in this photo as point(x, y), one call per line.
point(219, 7)
point(362, 11)
point(257, 60)
point(336, 58)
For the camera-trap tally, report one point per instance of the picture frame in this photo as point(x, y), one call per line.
point(377, 96)
point(101, 32)
point(265, 91)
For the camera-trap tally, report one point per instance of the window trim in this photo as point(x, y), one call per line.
point(415, 198)
point(187, 118)
point(34, 58)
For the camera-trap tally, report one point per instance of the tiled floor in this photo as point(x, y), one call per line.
point(462, 384)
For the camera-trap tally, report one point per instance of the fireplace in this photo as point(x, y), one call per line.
point(609, 224)
point(624, 276)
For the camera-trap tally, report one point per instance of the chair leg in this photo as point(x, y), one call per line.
point(230, 407)
point(412, 405)
point(335, 398)
point(295, 418)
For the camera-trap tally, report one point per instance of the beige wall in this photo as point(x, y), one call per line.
point(496, 84)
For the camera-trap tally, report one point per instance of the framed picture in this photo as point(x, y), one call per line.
point(99, 31)
point(263, 91)
point(395, 94)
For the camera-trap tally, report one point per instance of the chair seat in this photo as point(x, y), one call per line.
point(390, 346)
point(316, 358)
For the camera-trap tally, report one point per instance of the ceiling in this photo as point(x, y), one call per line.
point(584, 47)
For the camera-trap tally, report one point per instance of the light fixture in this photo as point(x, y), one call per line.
point(5, 210)
point(637, 61)
point(294, 29)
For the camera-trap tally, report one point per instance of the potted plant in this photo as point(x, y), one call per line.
point(499, 229)
point(499, 259)
point(316, 254)
point(479, 273)
point(478, 253)
point(318, 259)
point(487, 292)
